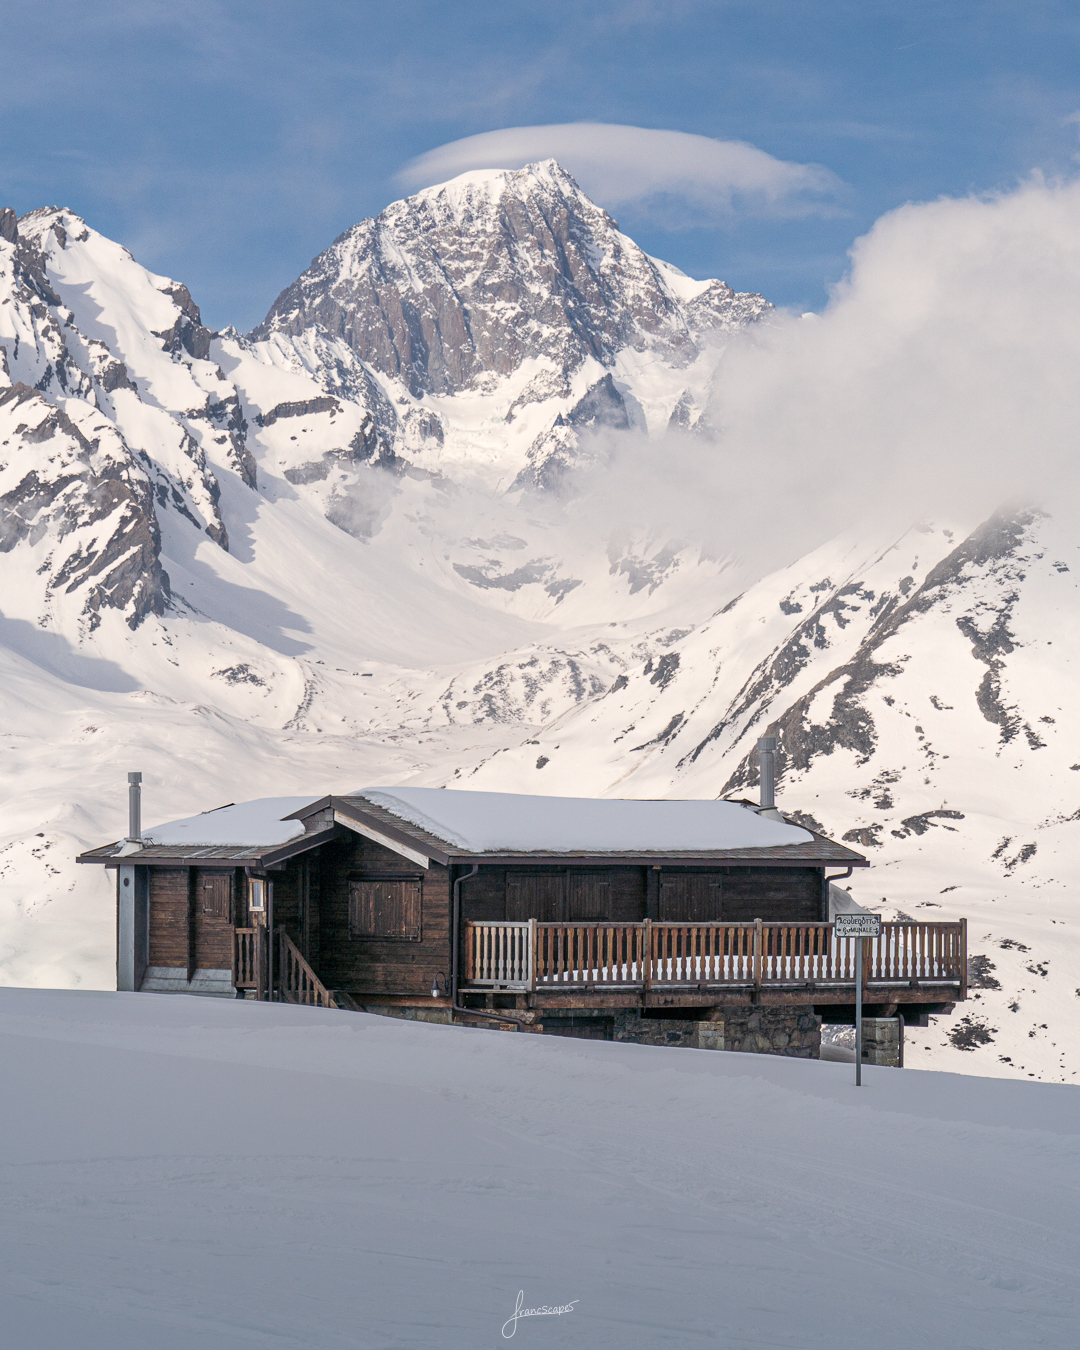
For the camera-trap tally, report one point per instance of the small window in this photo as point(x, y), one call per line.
point(388, 909)
point(256, 894)
point(216, 890)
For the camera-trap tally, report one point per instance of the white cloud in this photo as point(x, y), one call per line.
point(617, 165)
point(940, 382)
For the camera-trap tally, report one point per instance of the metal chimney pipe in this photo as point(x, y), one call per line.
point(767, 771)
point(134, 808)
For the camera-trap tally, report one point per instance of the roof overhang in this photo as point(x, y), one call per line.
point(265, 859)
point(719, 859)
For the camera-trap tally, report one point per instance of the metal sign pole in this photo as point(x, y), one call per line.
point(858, 1011)
point(857, 928)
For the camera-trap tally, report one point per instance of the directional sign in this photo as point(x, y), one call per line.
point(857, 925)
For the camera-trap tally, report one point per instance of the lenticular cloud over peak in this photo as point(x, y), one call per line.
point(618, 164)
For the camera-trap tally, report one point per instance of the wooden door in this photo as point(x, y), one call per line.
point(536, 895)
point(690, 897)
point(588, 896)
point(214, 921)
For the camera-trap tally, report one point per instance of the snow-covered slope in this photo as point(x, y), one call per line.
point(923, 695)
point(298, 561)
point(182, 1172)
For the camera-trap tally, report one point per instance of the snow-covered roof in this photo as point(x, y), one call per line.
point(492, 822)
point(241, 824)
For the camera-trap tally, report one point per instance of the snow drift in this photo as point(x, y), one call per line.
point(182, 1171)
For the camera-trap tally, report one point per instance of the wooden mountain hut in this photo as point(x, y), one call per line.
point(672, 922)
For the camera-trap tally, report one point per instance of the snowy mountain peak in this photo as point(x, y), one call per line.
point(461, 284)
point(470, 193)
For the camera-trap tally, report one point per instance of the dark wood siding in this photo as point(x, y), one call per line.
point(691, 897)
point(168, 916)
point(555, 894)
point(774, 894)
point(361, 964)
point(192, 914)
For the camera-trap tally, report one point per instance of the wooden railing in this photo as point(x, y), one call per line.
point(297, 982)
point(499, 953)
point(246, 959)
point(532, 955)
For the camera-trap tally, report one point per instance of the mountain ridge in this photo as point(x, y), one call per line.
point(287, 561)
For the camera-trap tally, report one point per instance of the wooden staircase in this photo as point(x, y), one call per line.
point(297, 982)
point(294, 980)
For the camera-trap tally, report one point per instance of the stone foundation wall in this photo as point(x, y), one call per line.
point(771, 1031)
point(881, 1041)
point(764, 1031)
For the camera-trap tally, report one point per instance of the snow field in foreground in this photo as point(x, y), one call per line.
point(182, 1172)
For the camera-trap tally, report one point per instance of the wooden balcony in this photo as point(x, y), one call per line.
point(547, 958)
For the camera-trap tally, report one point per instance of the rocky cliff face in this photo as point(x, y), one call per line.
point(83, 510)
point(472, 279)
point(90, 454)
point(514, 286)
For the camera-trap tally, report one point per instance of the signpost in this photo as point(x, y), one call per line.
point(858, 926)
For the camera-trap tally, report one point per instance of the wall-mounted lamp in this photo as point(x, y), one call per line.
point(437, 990)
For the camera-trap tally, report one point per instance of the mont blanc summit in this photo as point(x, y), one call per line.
point(347, 548)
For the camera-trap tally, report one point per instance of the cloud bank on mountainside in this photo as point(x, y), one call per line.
point(940, 381)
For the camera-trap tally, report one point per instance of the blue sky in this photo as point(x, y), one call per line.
point(226, 142)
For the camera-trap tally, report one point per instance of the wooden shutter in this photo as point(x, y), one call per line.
point(589, 896)
point(536, 895)
point(690, 898)
point(216, 892)
point(385, 909)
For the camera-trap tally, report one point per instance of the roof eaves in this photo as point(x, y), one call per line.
point(739, 857)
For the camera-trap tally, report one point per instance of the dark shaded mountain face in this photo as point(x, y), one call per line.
point(475, 277)
point(89, 457)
